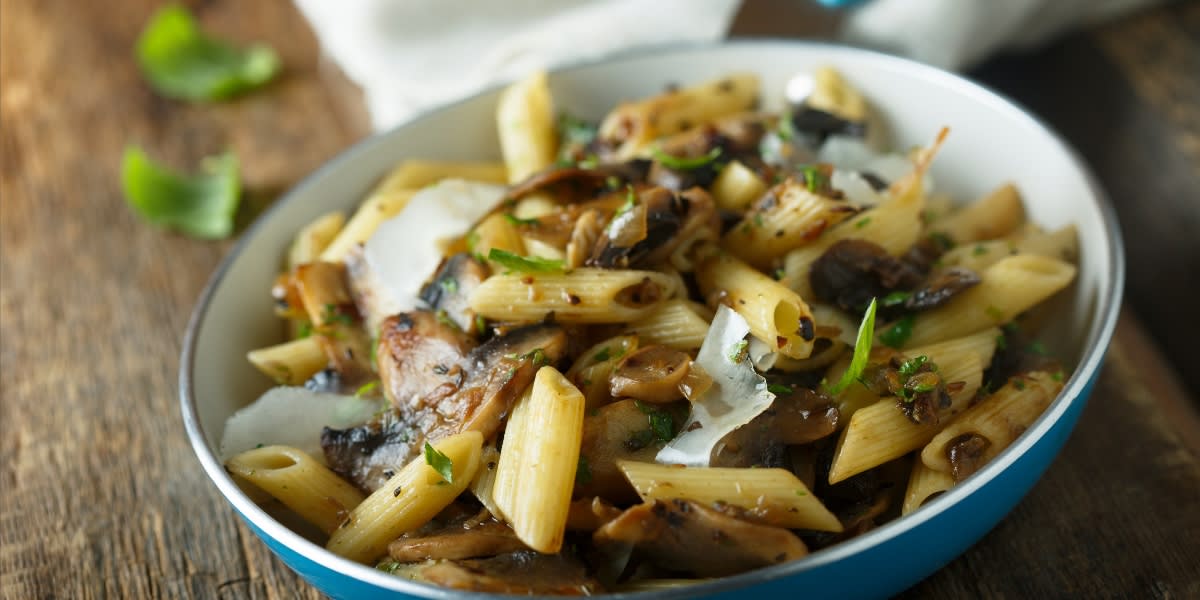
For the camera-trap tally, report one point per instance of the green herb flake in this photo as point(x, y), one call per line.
point(602, 355)
point(516, 221)
point(389, 566)
point(330, 313)
point(910, 367)
point(1057, 375)
point(863, 222)
point(898, 333)
point(862, 351)
point(1001, 342)
point(480, 324)
point(780, 274)
point(1019, 384)
point(366, 388)
point(779, 390)
point(443, 317)
point(662, 425)
point(201, 206)
point(736, 351)
point(574, 130)
point(1038, 348)
point(785, 129)
point(524, 264)
point(589, 162)
point(583, 472)
point(801, 493)
point(814, 180)
point(758, 219)
point(896, 298)
point(979, 250)
point(683, 163)
point(942, 240)
point(440, 463)
point(180, 61)
point(449, 284)
point(305, 329)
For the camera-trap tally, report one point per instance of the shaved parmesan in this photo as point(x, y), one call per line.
point(293, 416)
point(851, 154)
point(738, 393)
point(397, 259)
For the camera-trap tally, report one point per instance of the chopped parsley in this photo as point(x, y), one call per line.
point(896, 298)
point(603, 355)
point(736, 351)
point(305, 329)
point(575, 130)
point(1057, 375)
point(440, 463)
point(862, 351)
point(480, 324)
point(516, 221)
point(780, 274)
point(979, 250)
point(331, 314)
point(682, 163)
point(779, 389)
point(1001, 342)
point(863, 222)
point(524, 264)
point(1037, 347)
point(661, 423)
point(942, 240)
point(898, 333)
point(443, 317)
point(449, 284)
point(389, 566)
point(814, 180)
point(785, 129)
point(366, 388)
point(801, 493)
point(909, 367)
point(537, 356)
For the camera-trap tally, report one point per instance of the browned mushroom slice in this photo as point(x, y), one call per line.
point(658, 222)
point(525, 572)
point(578, 183)
point(685, 536)
point(852, 272)
point(447, 293)
point(589, 514)
point(965, 454)
point(369, 454)
point(457, 541)
point(437, 391)
point(651, 374)
point(941, 287)
point(799, 417)
point(616, 431)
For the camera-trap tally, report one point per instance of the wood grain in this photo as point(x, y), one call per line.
point(100, 495)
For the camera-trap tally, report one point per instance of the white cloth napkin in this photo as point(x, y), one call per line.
point(408, 55)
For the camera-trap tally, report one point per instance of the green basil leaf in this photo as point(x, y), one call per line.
point(181, 62)
point(524, 264)
point(201, 206)
point(440, 463)
point(862, 351)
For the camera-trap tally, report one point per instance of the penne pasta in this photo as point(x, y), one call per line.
point(408, 500)
point(833, 95)
point(790, 217)
point(632, 126)
point(777, 316)
point(525, 121)
point(924, 485)
point(314, 238)
point(773, 496)
point(301, 483)
point(536, 472)
point(1008, 288)
point(984, 430)
point(674, 323)
point(494, 231)
point(415, 174)
point(993, 216)
point(485, 479)
point(737, 187)
point(290, 363)
point(584, 295)
point(377, 208)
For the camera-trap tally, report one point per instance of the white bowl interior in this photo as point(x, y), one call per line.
point(991, 141)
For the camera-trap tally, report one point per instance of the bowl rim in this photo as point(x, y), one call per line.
point(1100, 332)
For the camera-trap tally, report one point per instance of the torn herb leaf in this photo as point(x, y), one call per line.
point(862, 351)
point(201, 205)
point(516, 221)
point(583, 471)
point(779, 389)
point(524, 264)
point(898, 333)
point(683, 163)
point(180, 61)
point(440, 463)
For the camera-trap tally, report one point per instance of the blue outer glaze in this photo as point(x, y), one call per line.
point(896, 564)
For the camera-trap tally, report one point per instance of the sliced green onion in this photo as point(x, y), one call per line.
point(524, 264)
point(682, 163)
point(862, 351)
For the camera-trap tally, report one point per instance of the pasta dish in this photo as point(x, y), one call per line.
point(689, 340)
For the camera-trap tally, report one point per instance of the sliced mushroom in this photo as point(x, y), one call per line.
point(966, 454)
point(688, 537)
point(447, 293)
point(941, 287)
point(589, 514)
point(577, 183)
point(525, 572)
point(439, 385)
point(652, 374)
point(457, 541)
point(658, 222)
point(369, 454)
point(853, 271)
point(617, 431)
point(799, 417)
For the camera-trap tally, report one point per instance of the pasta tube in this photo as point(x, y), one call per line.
point(777, 316)
point(301, 483)
point(525, 121)
point(581, 296)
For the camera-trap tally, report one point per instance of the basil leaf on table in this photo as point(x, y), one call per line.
point(201, 205)
point(181, 62)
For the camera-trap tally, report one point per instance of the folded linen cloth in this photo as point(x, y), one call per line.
point(408, 55)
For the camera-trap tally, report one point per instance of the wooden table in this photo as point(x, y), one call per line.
point(102, 497)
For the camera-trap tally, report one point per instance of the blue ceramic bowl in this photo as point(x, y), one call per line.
point(992, 141)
